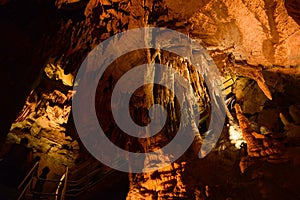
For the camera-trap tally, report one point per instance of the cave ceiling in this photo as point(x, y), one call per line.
point(255, 45)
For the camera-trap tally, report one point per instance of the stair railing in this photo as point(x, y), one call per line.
point(27, 181)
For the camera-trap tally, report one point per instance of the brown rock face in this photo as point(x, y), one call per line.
point(222, 26)
point(269, 40)
point(255, 41)
point(163, 184)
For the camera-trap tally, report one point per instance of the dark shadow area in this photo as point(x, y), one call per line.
point(23, 25)
point(293, 9)
point(113, 186)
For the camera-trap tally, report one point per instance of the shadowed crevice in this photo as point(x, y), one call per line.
point(293, 9)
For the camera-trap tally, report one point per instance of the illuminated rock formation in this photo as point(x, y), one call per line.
point(255, 41)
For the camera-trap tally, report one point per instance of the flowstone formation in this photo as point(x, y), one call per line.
point(255, 45)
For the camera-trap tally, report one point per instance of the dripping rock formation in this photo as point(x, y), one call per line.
point(255, 45)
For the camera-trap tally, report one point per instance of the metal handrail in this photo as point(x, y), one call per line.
point(63, 179)
point(63, 193)
point(87, 183)
point(59, 184)
point(85, 165)
point(83, 179)
point(86, 180)
point(30, 173)
point(83, 184)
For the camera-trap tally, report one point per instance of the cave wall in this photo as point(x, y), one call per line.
point(36, 31)
point(253, 39)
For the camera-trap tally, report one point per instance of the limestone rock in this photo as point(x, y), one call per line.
point(257, 145)
point(244, 91)
point(258, 35)
point(162, 184)
point(229, 28)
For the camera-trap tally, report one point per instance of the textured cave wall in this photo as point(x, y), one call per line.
point(145, 97)
point(253, 39)
point(70, 30)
